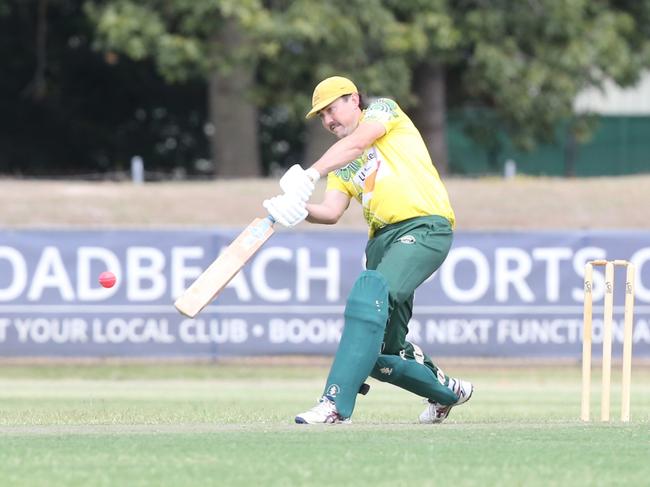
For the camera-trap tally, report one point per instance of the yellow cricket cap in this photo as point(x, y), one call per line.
point(329, 90)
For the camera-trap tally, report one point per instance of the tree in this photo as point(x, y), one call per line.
point(320, 39)
point(429, 39)
point(530, 59)
point(516, 67)
point(219, 41)
point(161, 68)
point(512, 68)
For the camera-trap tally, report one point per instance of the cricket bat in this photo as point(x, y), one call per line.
point(217, 276)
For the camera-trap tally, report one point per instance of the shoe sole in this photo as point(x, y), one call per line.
point(300, 420)
point(457, 404)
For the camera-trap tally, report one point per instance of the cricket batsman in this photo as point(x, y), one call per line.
point(381, 161)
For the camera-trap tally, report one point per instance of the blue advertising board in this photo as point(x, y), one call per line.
point(498, 294)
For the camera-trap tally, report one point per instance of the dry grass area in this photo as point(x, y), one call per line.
point(480, 204)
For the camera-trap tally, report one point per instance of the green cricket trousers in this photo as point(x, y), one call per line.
point(406, 254)
point(399, 258)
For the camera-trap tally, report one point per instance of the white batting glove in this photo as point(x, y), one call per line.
point(286, 209)
point(299, 182)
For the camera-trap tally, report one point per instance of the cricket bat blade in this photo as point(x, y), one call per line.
point(216, 277)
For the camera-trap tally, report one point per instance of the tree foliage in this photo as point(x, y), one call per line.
point(177, 34)
point(530, 59)
point(124, 76)
point(218, 41)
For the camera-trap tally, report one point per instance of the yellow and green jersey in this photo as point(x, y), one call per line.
point(394, 179)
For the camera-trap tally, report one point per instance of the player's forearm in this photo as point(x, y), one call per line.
point(338, 155)
point(318, 213)
point(349, 148)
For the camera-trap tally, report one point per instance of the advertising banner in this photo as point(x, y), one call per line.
point(498, 294)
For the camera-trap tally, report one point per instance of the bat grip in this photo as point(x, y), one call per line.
point(270, 219)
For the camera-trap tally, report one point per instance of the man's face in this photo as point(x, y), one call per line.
point(341, 116)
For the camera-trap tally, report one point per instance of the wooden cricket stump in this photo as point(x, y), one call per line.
point(608, 316)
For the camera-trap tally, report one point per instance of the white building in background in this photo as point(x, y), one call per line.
point(616, 101)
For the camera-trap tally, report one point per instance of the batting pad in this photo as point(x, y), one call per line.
point(366, 314)
point(413, 377)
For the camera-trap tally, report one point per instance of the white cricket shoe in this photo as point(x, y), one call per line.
point(323, 413)
point(436, 412)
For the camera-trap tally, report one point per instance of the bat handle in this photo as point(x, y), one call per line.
point(270, 219)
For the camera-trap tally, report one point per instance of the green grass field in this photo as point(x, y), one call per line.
point(231, 424)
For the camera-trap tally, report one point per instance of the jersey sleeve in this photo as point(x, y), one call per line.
point(335, 182)
point(384, 111)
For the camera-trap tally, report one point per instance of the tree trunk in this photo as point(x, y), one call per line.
point(234, 142)
point(430, 115)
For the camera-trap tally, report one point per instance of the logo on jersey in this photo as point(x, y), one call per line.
point(365, 177)
point(383, 110)
point(347, 172)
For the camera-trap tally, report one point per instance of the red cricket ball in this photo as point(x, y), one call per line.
point(107, 279)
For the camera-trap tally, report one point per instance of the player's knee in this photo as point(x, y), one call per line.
point(368, 300)
point(398, 296)
point(387, 368)
point(393, 344)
